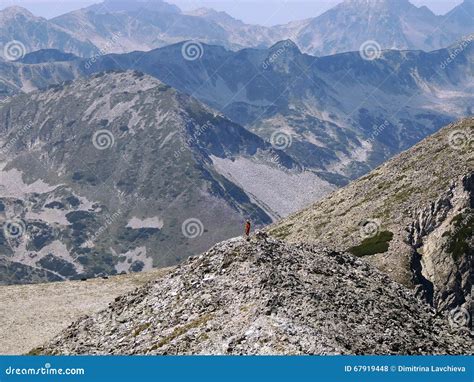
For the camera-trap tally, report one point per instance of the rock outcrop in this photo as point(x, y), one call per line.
point(411, 217)
point(265, 296)
point(442, 240)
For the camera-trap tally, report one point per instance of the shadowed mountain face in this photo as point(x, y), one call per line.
point(133, 175)
point(117, 26)
point(338, 115)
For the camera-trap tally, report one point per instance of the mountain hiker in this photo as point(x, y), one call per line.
point(247, 229)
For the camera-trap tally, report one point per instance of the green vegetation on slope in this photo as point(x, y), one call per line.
point(463, 231)
point(372, 245)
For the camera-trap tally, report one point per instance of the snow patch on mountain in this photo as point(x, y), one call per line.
point(13, 186)
point(153, 222)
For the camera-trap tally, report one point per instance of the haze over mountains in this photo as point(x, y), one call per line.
point(209, 135)
point(338, 115)
point(122, 26)
point(134, 135)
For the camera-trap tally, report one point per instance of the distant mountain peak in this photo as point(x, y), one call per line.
point(216, 16)
point(378, 2)
point(204, 11)
point(392, 5)
point(16, 10)
point(134, 5)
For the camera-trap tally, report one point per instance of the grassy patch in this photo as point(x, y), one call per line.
point(141, 328)
point(282, 232)
point(36, 351)
point(458, 244)
point(372, 245)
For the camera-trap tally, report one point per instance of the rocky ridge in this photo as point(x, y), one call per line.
point(265, 296)
point(411, 217)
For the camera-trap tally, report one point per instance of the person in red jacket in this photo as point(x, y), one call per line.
point(247, 229)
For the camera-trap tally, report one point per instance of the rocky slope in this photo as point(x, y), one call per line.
point(265, 296)
point(134, 175)
point(411, 217)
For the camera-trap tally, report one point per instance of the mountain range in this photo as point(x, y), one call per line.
point(116, 26)
point(131, 177)
point(134, 135)
point(309, 284)
point(389, 255)
point(339, 115)
point(225, 137)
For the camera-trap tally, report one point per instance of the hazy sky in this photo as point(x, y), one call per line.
point(265, 12)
